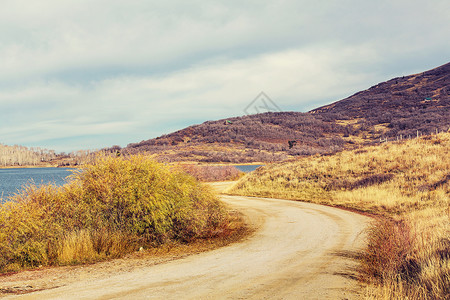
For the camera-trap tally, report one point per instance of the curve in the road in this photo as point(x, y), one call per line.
point(300, 251)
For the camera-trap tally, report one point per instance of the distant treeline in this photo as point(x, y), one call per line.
point(76, 158)
point(11, 156)
point(23, 156)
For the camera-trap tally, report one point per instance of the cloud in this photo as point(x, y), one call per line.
point(82, 73)
point(53, 38)
point(147, 104)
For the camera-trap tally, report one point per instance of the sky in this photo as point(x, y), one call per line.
point(89, 74)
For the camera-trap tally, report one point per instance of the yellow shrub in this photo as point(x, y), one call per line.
point(76, 246)
point(107, 209)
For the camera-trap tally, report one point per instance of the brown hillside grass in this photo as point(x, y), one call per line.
point(211, 173)
point(408, 253)
point(109, 208)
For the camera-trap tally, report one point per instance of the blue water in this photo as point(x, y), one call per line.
point(12, 180)
point(247, 168)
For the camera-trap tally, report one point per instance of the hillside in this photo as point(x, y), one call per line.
point(261, 137)
point(399, 108)
point(408, 182)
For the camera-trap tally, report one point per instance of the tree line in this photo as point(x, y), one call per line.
point(23, 156)
point(17, 156)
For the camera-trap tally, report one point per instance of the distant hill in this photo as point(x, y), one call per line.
point(400, 107)
point(261, 137)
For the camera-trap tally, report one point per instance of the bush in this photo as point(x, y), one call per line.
point(210, 173)
point(389, 251)
point(108, 208)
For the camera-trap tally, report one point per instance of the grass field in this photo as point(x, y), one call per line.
point(109, 208)
point(406, 184)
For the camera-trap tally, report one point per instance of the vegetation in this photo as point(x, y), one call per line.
point(76, 158)
point(210, 173)
point(110, 207)
point(254, 138)
point(21, 156)
point(398, 107)
point(407, 183)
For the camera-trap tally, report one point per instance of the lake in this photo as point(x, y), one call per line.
point(247, 168)
point(12, 180)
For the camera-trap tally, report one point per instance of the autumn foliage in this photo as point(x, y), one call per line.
point(111, 207)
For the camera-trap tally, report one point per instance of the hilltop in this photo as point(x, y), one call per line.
point(261, 137)
point(399, 108)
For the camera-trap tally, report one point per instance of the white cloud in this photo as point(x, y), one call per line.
point(208, 91)
point(136, 69)
point(53, 37)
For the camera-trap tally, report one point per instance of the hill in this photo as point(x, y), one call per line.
point(253, 138)
point(399, 108)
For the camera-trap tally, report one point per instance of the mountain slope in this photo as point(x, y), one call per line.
point(404, 104)
point(253, 138)
point(400, 107)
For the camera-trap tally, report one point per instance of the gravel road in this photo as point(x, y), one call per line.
point(298, 251)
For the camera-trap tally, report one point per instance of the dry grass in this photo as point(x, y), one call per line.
point(84, 246)
point(211, 173)
point(408, 253)
point(109, 208)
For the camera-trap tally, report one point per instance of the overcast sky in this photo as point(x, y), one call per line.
point(88, 74)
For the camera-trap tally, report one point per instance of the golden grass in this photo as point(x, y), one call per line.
point(76, 246)
point(109, 208)
point(407, 183)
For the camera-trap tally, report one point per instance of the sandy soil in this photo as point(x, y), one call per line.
point(298, 251)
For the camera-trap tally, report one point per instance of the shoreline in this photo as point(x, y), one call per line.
point(29, 167)
point(220, 163)
point(181, 162)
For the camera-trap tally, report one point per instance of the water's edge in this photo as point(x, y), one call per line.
point(12, 180)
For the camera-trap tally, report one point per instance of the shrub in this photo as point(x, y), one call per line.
point(212, 173)
point(389, 251)
point(107, 209)
point(372, 180)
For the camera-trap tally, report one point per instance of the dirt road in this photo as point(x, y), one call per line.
point(299, 251)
